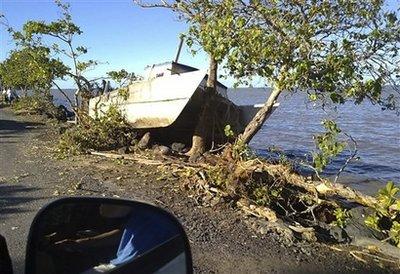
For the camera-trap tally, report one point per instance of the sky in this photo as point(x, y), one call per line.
point(117, 33)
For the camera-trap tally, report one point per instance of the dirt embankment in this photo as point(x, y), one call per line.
point(223, 240)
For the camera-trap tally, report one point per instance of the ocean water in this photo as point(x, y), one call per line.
point(291, 127)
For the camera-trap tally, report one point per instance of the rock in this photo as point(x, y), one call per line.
point(356, 224)
point(123, 150)
point(214, 201)
point(355, 227)
point(262, 230)
point(178, 147)
point(309, 236)
point(144, 141)
point(339, 234)
point(163, 150)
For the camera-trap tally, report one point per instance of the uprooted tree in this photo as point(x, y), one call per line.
point(333, 50)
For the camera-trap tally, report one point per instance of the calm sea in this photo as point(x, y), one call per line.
point(291, 127)
point(295, 121)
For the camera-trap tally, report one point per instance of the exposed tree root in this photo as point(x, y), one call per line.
point(292, 205)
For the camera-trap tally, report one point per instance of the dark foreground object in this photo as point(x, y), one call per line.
point(96, 234)
point(5, 260)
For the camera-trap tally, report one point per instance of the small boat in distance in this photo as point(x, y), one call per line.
point(169, 101)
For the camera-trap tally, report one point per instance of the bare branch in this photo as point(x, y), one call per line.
point(352, 156)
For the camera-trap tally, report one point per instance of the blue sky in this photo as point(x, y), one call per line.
point(117, 32)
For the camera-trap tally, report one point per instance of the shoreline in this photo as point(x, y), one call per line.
point(222, 239)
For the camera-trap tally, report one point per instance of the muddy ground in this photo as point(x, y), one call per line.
point(222, 239)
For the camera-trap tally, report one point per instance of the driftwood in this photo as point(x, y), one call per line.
point(323, 189)
point(382, 247)
point(141, 160)
point(127, 157)
point(107, 155)
point(320, 189)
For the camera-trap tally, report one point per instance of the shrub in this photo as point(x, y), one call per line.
point(341, 217)
point(107, 132)
point(327, 145)
point(386, 217)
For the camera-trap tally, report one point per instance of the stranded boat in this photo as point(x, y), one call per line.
point(169, 101)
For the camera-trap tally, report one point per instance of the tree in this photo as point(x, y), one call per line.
point(62, 33)
point(211, 26)
point(31, 68)
point(333, 50)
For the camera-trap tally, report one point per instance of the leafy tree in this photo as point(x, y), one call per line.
point(123, 78)
point(334, 50)
point(62, 34)
point(31, 68)
point(386, 215)
point(327, 144)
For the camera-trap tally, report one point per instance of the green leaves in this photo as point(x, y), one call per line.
point(81, 50)
point(85, 65)
point(109, 131)
point(123, 77)
point(212, 25)
point(59, 35)
point(387, 197)
point(372, 222)
point(394, 233)
point(63, 28)
point(386, 217)
point(31, 68)
point(229, 132)
point(341, 217)
point(327, 145)
point(327, 48)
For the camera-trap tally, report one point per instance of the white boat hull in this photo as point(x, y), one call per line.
point(170, 105)
point(153, 103)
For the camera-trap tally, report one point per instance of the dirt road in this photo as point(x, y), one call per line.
point(222, 239)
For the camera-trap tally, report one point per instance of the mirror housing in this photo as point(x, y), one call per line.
point(5, 260)
point(105, 235)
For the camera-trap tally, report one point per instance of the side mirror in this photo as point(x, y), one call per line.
point(103, 235)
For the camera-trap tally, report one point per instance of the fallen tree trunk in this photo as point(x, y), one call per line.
point(323, 188)
point(256, 123)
